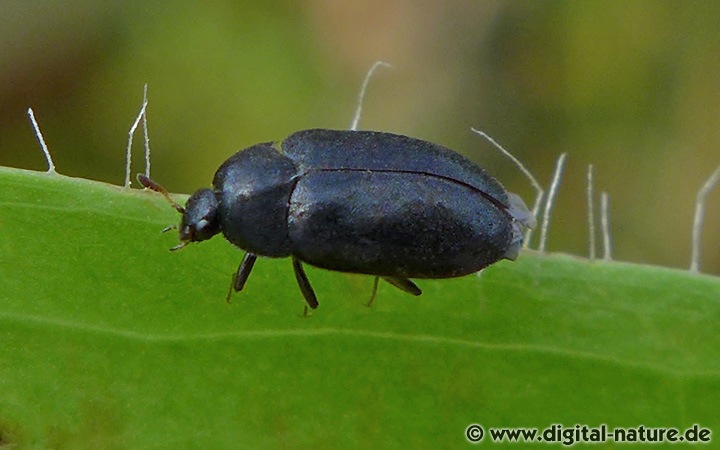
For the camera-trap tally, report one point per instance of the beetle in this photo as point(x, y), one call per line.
point(363, 202)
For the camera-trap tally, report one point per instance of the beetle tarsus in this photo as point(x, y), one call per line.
point(231, 290)
point(374, 292)
point(304, 283)
point(404, 284)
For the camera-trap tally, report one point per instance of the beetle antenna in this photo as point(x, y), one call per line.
point(154, 186)
point(361, 96)
point(709, 184)
point(539, 192)
point(559, 166)
point(605, 223)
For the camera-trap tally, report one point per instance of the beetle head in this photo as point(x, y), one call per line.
point(199, 216)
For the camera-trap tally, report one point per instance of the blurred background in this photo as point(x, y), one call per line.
point(631, 87)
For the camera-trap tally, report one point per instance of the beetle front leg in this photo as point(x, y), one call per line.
point(244, 271)
point(404, 284)
point(304, 283)
point(242, 274)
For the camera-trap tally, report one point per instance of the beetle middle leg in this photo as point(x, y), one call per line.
point(404, 284)
point(242, 274)
point(304, 283)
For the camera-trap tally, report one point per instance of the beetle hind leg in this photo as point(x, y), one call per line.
point(404, 284)
point(304, 284)
point(374, 292)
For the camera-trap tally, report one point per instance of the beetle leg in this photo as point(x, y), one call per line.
point(230, 291)
point(244, 271)
point(374, 292)
point(404, 284)
point(304, 283)
point(240, 277)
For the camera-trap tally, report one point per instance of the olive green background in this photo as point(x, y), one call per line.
point(632, 87)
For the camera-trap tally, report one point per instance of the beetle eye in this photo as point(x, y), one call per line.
point(202, 224)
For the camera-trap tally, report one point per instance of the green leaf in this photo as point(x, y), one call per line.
point(111, 341)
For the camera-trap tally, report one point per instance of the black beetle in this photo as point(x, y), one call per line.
point(357, 201)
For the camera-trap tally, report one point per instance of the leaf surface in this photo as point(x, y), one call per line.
point(111, 341)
